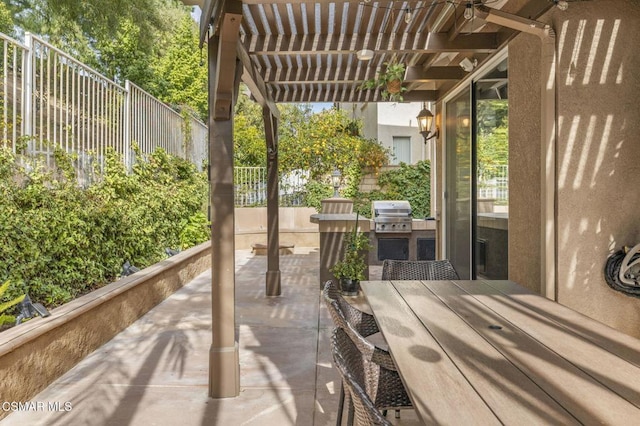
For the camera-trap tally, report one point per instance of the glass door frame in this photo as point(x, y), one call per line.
point(467, 84)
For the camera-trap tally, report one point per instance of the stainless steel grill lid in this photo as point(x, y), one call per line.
point(392, 216)
point(391, 208)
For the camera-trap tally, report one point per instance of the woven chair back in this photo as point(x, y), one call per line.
point(352, 366)
point(418, 270)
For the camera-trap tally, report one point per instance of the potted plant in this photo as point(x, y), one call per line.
point(350, 270)
point(389, 81)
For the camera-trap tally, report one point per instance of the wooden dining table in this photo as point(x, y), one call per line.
point(491, 352)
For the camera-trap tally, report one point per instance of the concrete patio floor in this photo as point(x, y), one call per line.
point(156, 371)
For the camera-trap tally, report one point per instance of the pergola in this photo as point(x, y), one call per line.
point(297, 51)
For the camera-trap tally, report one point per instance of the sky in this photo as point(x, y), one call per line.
point(319, 106)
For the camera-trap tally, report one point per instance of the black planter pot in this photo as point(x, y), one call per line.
point(349, 287)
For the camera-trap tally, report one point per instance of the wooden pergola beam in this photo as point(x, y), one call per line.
point(382, 43)
point(255, 82)
point(434, 73)
point(341, 75)
point(284, 95)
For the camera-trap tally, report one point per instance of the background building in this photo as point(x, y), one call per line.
point(395, 126)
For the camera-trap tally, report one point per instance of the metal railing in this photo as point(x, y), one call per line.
point(251, 187)
point(494, 183)
point(48, 99)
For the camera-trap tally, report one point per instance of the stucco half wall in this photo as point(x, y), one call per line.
point(597, 155)
point(37, 352)
point(295, 227)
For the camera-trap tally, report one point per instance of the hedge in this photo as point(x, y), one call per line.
point(59, 240)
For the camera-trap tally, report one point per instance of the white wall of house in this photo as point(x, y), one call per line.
point(388, 120)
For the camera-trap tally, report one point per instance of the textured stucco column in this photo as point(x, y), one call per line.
point(224, 365)
point(333, 227)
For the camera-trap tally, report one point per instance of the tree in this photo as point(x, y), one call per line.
point(125, 56)
point(181, 73)
point(325, 141)
point(121, 39)
point(6, 21)
point(250, 149)
point(493, 136)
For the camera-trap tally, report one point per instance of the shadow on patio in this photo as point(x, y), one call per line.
point(156, 371)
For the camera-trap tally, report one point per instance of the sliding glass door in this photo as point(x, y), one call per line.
point(476, 178)
point(459, 184)
point(492, 173)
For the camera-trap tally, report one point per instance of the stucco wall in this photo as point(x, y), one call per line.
point(385, 120)
point(598, 152)
point(524, 162)
point(418, 148)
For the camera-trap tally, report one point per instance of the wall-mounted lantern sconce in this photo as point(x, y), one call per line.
point(335, 181)
point(425, 120)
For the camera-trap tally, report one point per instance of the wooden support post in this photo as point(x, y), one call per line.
point(273, 240)
point(224, 365)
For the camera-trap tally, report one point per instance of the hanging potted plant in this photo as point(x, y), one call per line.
point(389, 82)
point(350, 270)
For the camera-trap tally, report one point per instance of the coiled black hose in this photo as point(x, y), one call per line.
point(612, 273)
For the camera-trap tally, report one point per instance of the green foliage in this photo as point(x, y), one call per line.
point(194, 230)
point(493, 136)
point(5, 305)
point(126, 56)
point(315, 192)
point(182, 72)
point(82, 27)
point(249, 146)
point(78, 239)
point(393, 72)
point(353, 263)
point(153, 43)
point(324, 141)
point(407, 182)
point(6, 20)
point(353, 177)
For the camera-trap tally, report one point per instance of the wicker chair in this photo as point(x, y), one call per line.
point(388, 388)
point(363, 322)
point(354, 369)
point(418, 270)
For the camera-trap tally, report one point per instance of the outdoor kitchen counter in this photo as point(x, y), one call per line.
point(339, 222)
point(344, 218)
point(333, 227)
point(423, 224)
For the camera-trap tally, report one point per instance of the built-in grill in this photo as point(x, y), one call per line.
point(392, 216)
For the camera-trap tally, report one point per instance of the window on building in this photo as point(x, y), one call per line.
point(401, 150)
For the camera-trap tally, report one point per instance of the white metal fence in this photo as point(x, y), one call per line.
point(494, 183)
point(251, 187)
point(48, 99)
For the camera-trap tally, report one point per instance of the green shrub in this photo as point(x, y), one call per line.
point(315, 192)
point(194, 230)
point(407, 182)
point(62, 241)
point(5, 306)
